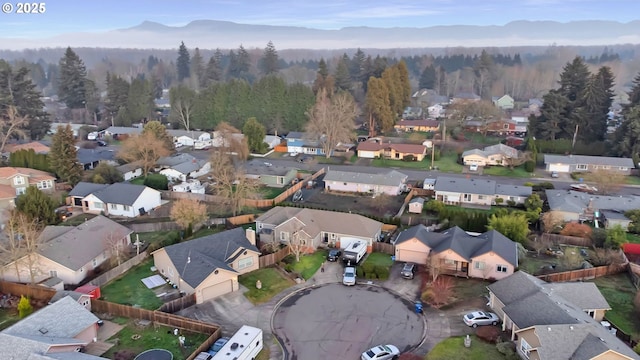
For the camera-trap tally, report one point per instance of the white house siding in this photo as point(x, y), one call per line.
point(367, 154)
point(121, 210)
point(203, 170)
point(149, 199)
point(132, 174)
point(184, 140)
point(295, 149)
point(173, 175)
point(94, 205)
point(362, 188)
point(448, 197)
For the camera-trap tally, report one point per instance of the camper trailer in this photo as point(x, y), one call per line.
point(354, 252)
point(245, 344)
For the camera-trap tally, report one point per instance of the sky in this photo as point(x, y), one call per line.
point(70, 16)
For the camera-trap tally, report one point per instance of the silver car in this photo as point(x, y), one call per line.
point(349, 276)
point(481, 318)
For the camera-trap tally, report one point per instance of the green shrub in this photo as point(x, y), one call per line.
point(24, 307)
point(530, 166)
point(382, 272)
point(506, 347)
point(409, 157)
point(529, 184)
point(288, 268)
point(289, 259)
point(499, 201)
point(511, 203)
point(157, 181)
point(368, 270)
point(359, 272)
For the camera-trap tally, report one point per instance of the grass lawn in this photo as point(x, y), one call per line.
point(207, 231)
point(77, 220)
point(309, 264)
point(632, 180)
point(272, 283)
point(378, 259)
point(129, 289)
point(619, 292)
point(8, 317)
point(469, 288)
point(448, 162)
point(453, 348)
point(138, 181)
point(154, 237)
point(518, 172)
point(321, 159)
point(160, 337)
point(271, 192)
point(633, 238)
point(424, 164)
point(477, 137)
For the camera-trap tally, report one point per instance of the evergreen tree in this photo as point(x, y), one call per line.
point(404, 84)
point(357, 69)
point(269, 62)
point(380, 64)
point(634, 94)
point(323, 80)
point(63, 156)
point(117, 95)
point(38, 206)
point(106, 174)
point(255, 132)
point(29, 159)
point(72, 87)
point(197, 69)
point(140, 103)
point(183, 64)
point(213, 72)
point(341, 75)
point(160, 133)
point(17, 90)
point(627, 136)
point(552, 115)
point(428, 78)
point(598, 97)
point(239, 64)
point(378, 106)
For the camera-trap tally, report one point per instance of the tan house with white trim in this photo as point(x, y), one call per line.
point(209, 266)
point(499, 154)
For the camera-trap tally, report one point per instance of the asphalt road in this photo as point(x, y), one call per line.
point(334, 321)
point(420, 175)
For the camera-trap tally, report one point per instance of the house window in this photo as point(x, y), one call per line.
point(345, 184)
point(94, 262)
point(449, 262)
point(623, 168)
point(21, 190)
point(505, 126)
point(98, 205)
point(284, 236)
point(512, 198)
point(125, 207)
point(18, 180)
point(280, 180)
point(480, 197)
point(501, 268)
point(525, 348)
point(467, 197)
point(245, 263)
point(478, 265)
point(53, 273)
point(581, 167)
point(592, 313)
point(260, 225)
point(46, 184)
point(333, 236)
point(113, 206)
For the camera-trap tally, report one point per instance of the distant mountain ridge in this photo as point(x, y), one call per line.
point(211, 34)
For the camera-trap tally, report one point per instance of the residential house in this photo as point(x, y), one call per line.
point(497, 127)
point(584, 163)
point(569, 205)
point(91, 158)
point(372, 149)
point(429, 184)
point(489, 255)
point(499, 154)
point(219, 141)
point(75, 128)
point(182, 167)
point(36, 146)
point(436, 111)
point(58, 331)
point(412, 113)
point(119, 199)
point(121, 132)
point(209, 266)
point(316, 227)
point(473, 192)
point(555, 321)
point(303, 143)
point(14, 181)
point(272, 141)
point(520, 121)
point(465, 97)
point(416, 205)
point(390, 183)
point(191, 185)
point(417, 125)
point(81, 298)
point(504, 102)
point(535, 105)
point(427, 97)
point(268, 174)
point(70, 253)
point(189, 137)
point(131, 170)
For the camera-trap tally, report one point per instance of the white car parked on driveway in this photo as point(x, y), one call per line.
point(349, 276)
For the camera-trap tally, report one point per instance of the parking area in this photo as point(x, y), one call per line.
point(333, 321)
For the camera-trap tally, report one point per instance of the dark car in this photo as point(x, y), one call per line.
point(102, 143)
point(63, 214)
point(305, 159)
point(334, 255)
point(408, 270)
point(218, 345)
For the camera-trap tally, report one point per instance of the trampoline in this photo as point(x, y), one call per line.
point(155, 354)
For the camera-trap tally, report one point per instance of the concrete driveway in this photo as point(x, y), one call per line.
point(333, 321)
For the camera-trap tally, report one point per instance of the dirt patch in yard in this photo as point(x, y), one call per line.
point(361, 204)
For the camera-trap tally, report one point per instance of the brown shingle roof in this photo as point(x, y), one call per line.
point(38, 148)
point(429, 123)
point(7, 172)
point(401, 148)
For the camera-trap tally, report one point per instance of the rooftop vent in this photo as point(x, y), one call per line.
point(43, 331)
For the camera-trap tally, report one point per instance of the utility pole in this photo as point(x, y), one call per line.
point(433, 153)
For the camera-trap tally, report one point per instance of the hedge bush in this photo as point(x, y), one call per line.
point(530, 166)
point(157, 181)
point(382, 272)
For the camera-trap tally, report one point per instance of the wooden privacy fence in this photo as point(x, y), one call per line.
point(567, 240)
point(206, 344)
point(178, 304)
point(303, 182)
point(385, 248)
point(119, 270)
point(584, 274)
point(35, 292)
point(274, 258)
point(241, 219)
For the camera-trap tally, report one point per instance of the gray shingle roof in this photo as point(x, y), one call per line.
point(64, 293)
point(196, 259)
point(513, 190)
point(83, 189)
point(88, 156)
point(463, 244)
point(515, 286)
point(576, 202)
point(585, 295)
point(129, 167)
point(73, 247)
point(260, 167)
point(189, 166)
point(538, 309)
point(297, 135)
point(175, 159)
point(76, 319)
point(120, 193)
point(463, 185)
point(473, 152)
point(123, 130)
point(189, 133)
point(391, 178)
point(588, 160)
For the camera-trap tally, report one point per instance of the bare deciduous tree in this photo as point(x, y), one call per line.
point(116, 244)
point(145, 148)
point(230, 182)
point(434, 265)
point(607, 182)
point(231, 141)
point(20, 245)
point(331, 120)
point(12, 126)
point(187, 212)
point(551, 222)
point(539, 243)
point(297, 241)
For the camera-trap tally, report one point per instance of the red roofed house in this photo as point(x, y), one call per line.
point(418, 125)
point(374, 149)
point(37, 147)
point(15, 180)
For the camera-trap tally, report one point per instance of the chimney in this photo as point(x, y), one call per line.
point(251, 236)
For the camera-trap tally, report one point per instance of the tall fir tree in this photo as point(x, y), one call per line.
point(213, 71)
point(197, 70)
point(140, 103)
point(269, 61)
point(428, 77)
point(341, 75)
point(72, 86)
point(117, 95)
point(63, 156)
point(239, 64)
point(183, 63)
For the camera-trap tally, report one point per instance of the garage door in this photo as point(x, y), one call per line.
point(216, 290)
point(559, 168)
point(417, 257)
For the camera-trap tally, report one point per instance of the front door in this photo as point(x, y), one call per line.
point(464, 267)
